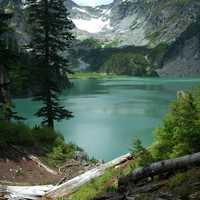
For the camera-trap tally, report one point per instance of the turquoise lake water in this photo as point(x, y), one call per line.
point(109, 113)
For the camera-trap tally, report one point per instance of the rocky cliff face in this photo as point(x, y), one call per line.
point(146, 23)
point(185, 63)
point(121, 22)
point(18, 21)
point(183, 56)
point(136, 22)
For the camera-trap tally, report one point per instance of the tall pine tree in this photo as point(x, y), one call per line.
point(7, 56)
point(51, 36)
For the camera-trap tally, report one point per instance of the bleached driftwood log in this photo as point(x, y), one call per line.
point(40, 164)
point(73, 184)
point(36, 160)
point(24, 192)
point(162, 167)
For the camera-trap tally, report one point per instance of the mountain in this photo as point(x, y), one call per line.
point(146, 35)
point(18, 21)
point(151, 24)
point(115, 22)
point(135, 22)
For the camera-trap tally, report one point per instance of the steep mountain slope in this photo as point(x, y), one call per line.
point(158, 26)
point(18, 21)
point(136, 22)
point(147, 23)
point(183, 56)
point(116, 22)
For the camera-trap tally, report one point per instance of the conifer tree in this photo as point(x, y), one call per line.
point(6, 57)
point(50, 38)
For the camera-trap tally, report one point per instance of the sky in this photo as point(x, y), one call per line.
point(92, 2)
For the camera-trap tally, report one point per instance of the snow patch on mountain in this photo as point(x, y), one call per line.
point(120, 24)
point(93, 25)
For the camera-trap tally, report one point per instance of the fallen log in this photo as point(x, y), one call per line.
point(23, 192)
point(40, 164)
point(161, 167)
point(73, 184)
point(36, 160)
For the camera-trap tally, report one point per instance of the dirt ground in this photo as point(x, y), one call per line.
point(17, 168)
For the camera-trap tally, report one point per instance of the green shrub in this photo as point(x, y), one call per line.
point(142, 156)
point(93, 160)
point(60, 152)
point(91, 43)
point(45, 135)
point(177, 180)
point(112, 188)
point(15, 134)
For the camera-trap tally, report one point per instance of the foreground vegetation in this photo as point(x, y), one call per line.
point(44, 141)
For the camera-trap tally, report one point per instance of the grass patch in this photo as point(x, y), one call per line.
point(185, 184)
point(177, 180)
point(107, 182)
point(91, 189)
point(91, 75)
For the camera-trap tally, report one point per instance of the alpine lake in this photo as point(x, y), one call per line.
point(110, 112)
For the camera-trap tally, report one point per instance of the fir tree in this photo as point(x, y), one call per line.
point(7, 55)
point(50, 38)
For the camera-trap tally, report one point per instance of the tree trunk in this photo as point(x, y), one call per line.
point(4, 88)
point(4, 82)
point(162, 167)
